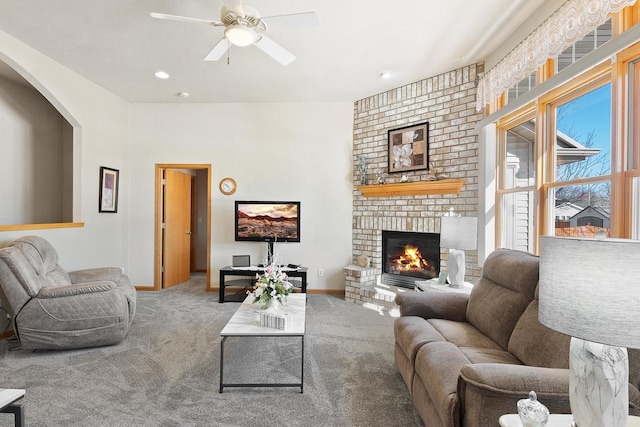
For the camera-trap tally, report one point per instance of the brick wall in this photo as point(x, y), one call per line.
point(447, 102)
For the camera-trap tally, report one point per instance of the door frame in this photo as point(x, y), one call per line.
point(158, 236)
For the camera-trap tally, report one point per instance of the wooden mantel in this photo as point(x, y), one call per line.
point(444, 186)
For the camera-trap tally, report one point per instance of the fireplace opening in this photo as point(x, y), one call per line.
point(409, 256)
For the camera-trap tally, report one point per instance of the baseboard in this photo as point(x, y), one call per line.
point(326, 291)
point(7, 334)
point(309, 291)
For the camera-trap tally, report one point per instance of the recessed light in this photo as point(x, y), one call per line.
point(385, 74)
point(161, 74)
point(183, 94)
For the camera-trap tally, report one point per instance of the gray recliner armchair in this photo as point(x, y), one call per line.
point(53, 309)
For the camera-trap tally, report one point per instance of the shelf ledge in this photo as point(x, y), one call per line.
point(420, 188)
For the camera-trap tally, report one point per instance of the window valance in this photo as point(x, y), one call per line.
point(570, 23)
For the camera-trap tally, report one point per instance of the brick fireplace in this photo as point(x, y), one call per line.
point(447, 102)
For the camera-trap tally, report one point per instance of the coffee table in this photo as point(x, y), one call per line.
point(8, 397)
point(246, 323)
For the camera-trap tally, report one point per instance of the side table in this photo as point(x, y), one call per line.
point(432, 285)
point(8, 397)
point(556, 420)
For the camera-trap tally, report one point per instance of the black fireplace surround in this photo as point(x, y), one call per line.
point(409, 256)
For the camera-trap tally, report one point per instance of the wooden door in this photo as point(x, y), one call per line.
point(177, 231)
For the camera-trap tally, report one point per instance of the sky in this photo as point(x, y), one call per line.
point(591, 111)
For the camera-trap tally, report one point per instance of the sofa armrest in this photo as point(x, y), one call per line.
point(71, 290)
point(433, 305)
point(488, 390)
point(112, 274)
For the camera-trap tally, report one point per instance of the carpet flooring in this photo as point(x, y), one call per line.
point(166, 372)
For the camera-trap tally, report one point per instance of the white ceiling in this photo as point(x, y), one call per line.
point(116, 44)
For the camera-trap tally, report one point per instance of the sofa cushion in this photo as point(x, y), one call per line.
point(634, 381)
point(507, 286)
point(34, 262)
point(462, 334)
point(488, 355)
point(412, 332)
point(536, 345)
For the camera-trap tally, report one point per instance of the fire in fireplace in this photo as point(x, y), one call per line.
point(409, 256)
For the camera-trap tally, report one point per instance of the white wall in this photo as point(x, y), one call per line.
point(274, 152)
point(101, 138)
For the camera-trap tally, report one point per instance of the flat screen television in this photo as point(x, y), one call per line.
point(267, 221)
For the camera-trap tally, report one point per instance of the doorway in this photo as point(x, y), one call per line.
point(178, 223)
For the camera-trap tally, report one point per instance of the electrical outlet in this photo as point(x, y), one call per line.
point(122, 269)
point(320, 272)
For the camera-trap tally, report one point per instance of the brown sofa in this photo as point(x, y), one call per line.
point(466, 360)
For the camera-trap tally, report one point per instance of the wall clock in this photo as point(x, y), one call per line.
point(227, 186)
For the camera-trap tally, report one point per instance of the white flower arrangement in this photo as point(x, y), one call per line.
point(271, 286)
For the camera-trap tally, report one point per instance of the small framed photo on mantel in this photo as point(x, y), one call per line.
point(108, 200)
point(409, 148)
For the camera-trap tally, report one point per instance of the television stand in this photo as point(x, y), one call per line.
point(300, 272)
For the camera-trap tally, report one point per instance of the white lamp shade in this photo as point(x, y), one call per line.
point(240, 35)
point(459, 232)
point(590, 289)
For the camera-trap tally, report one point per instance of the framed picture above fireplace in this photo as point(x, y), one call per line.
point(409, 148)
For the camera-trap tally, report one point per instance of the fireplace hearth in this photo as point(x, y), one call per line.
point(409, 256)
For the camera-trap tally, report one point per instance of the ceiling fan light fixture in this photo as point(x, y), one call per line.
point(239, 35)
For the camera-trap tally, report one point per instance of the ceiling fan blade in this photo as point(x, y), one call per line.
point(185, 19)
point(274, 50)
point(220, 49)
point(294, 21)
point(234, 6)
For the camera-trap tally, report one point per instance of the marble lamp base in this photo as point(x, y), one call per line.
point(457, 267)
point(598, 384)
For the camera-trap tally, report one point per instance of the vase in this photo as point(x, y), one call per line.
point(268, 305)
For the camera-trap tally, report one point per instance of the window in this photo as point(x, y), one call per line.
point(582, 151)
point(523, 86)
point(577, 173)
point(516, 198)
point(633, 148)
point(589, 43)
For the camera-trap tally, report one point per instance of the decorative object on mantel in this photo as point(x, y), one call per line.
point(381, 177)
point(588, 290)
point(409, 148)
point(271, 288)
point(434, 175)
point(404, 178)
point(362, 159)
point(458, 233)
point(532, 413)
point(445, 186)
point(363, 261)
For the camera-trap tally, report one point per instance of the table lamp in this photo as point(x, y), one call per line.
point(590, 290)
point(458, 233)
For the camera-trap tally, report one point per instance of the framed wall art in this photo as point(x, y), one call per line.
point(409, 148)
point(108, 201)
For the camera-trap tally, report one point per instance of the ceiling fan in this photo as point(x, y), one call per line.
point(245, 27)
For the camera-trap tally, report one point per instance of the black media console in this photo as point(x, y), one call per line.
point(300, 272)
